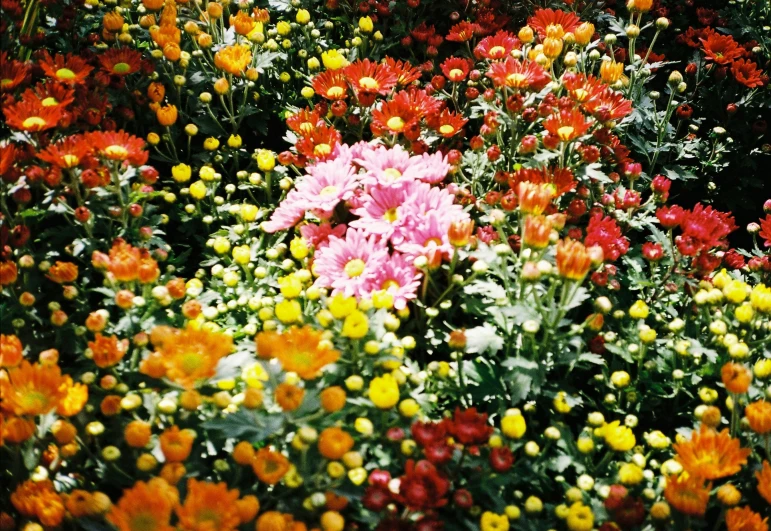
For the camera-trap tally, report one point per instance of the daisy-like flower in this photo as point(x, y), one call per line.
point(166, 34)
point(404, 71)
point(608, 105)
point(51, 94)
point(383, 211)
point(553, 20)
point(560, 178)
point(496, 47)
point(32, 389)
point(67, 153)
point(567, 124)
point(233, 59)
point(419, 102)
point(331, 85)
point(688, 494)
point(745, 519)
point(8, 154)
point(300, 350)
point(369, 78)
point(428, 237)
point(119, 146)
point(318, 235)
point(747, 73)
point(711, 455)
point(393, 117)
point(208, 506)
point(512, 73)
point(327, 184)
point(304, 121)
point(399, 278)
point(448, 123)
point(426, 199)
point(32, 116)
point(320, 143)
point(69, 69)
point(121, 61)
point(288, 214)
point(384, 166)
point(349, 264)
point(456, 69)
point(721, 49)
point(147, 504)
point(13, 73)
point(462, 32)
point(764, 481)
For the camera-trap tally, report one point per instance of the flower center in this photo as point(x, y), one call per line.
point(392, 173)
point(328, 191)
point(390, 215)
point(432, 241)
point(565, 132)
point(306, 127)
point(456, 73)
point(390, 283)
point(355, 267)
point(65, 73)
point(580, 94)
point(116, 152)
point(50, 101)
point(121, 68)
point(322, 150)
point(497, 51)
point(33, 122)
point(516, 80)
point(369, 83)
point(447, 129)
point(5, 82)
point(190, 362)
point(70, 160)
point(335, 92)
point(395, 123)
point(144, 522)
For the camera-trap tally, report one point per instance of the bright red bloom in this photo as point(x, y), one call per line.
point(670, 217)
point(13, 73)
point(722, 49)
point(605, 232)
point(419, 102)
point(496, 47)
point(448, 123)
point(368, 77)
point(51, 94)
point(69, 69)
point(320, 143)
point(67, 153)
point(121, 61)
point(119, 146)
point(560, 178)
point(501, 459)
point(429, 433)
point(469, 427)
point(515, 74)
point(568, 124)
point(331, 84)
point(394, 117)
point(423, 487)
point(405, 72)
point(31, 115)
point(456, 69)
point(747, 73)
point(561, 21)
point(8, 154)
point(703, 229)
point(582, 88)
point(462, 32)
point(423, 32)
point(608, 105)
point(304, 121)
point(765, 230)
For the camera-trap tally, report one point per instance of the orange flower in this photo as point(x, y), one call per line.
point(32, 389)
point(32, 115)
point(8, 272)
point(289, 396)
point(736, 377)
point(233, 59)
point(119, 146)
point(759, 416)
point(79, 503)
point(534, 198)
point(275, 521)
point(110, 405)
point(107, 351)
point(123, 261)
point(11, 350)
point(242, 23)
point(688, 494)
point(166, 34)
point(536, 232)
point(156, 92)
point(611, 71)
point(137, 433)
point(269, 466)
point(248, 507)
point(167, 115)
point(298, 350)
point(172, 472)
point(332, 399)
point(190, 356)
point(76, 396)
point(209, 506)
point(573, 261)
point(176, 445)
point(15, 430)
point(335, 502)
point(63, 272)
point(745, 519)
point(567, 124)
point(121, 61)
point(38, 499)
point(334, 443)
point(460, 232)
point(70, 69)
point(63, 431)
point(112, 21)
point(145, 506)
point(711, 455)
point(764, 481)
point(243, 453)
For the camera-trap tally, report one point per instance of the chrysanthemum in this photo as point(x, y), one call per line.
point(399, 278)
point(107, 351)
point(759, 416)
point(318, 235)
point(456, 68)
point(13, 73)
point(328, 183)
point(419, 102)
point(270, 466)
point(166, 34)
point(567, 124)
point(554, 20)
point(382, 211)
point(721, 49)
point(688, 494)
point(31, 115)
point(393, 117)
point(425, 199)
point(764, 481)
point(299, 350)
point(39, 499)
point(349, 264)
point(32, 389)
point(448, 123)
point(69, 69)
point(608, 105)
point(67, 153)
point(119, 146)
point(462, 32)
point(75, 398)
point(8, 154)
point(147, 506)
point(368, 77)
point(304, 121)
point(747, 73)
point(288, 214)
point(11, 350)
point(404, 71)
point(208, 506)
point(121, 61)
point(560, 178)
point(233, 59)
point(512, 73)
point(745, 519)
point(711, 455)
point(604, 232)
point(331, 85)
point(428, 237)
point(496, 47)
point(51, 94)
point(320, 143)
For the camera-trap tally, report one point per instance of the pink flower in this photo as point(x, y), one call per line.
point(425, 199)
point(383, 210)
point(288, 214)
point(348, 265)
point(318, 235)
point(429, 236)
point(399, 278)
point(326, 184)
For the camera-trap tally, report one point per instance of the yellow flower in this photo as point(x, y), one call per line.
point(656, 439)
point(384, 391)
point(153, 139)
point(249, 212)
point(618, 437)
point(647, 335)
point(299, 248)
point(290, 286)
point(211, 143)
point(744, 313)
point(265, 160)
point(254, 375)
point(760, 298)
point(409, 408)
point(513, 426)
point(630, 474)
point(639, 310)
point(333, 60)
point(585, 444)
point(735, 291)
point(288, 311)
point(234, 141)
point(341, 306)
point(364, 426)
point(221, 244)
point(283, 28)
point(620, 379)
point(181, 173)
point(560, 403)
point(198, 190)
point(303, 16)
point(365, 25)
point(580, 518)
point(762, 368)
point(494, 522)
point(242, 254)
point(355, 325)
point(207, 173)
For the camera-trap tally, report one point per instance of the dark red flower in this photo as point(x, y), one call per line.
point(469, 427)
point(670, 217)
point(703, 229)
point(462, 32)
point(428, 433)
point(653, 251)
point(733, 259)
point(422, 487)
point(605, 232)
point(721, 49)
point(765, 230)
point(501, 459)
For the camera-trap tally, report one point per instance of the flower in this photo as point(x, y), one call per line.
point(611, 71)
point(148, 505)
point(561, 180)
point(176, 444)
point(618, 437)
point(736, 377)
point(349, 264)
point(13, 73)
point(32, 115)
point(463, 31)
point(11, 351)
point(107, 351)
point(334, 443)
point(494, 522)
point(121, 61)
point(299, 350)
point(233, 59)
point(67, 153)
point(747, 73)
point(370, 78)
point(573, 261)
point(470, 427)
point(765, 230)
point(119, 146)
point(605, 233)
point(75, 397)
point(422, 487)
point(208, 506)
point(607, 104)
point(320, 143)
point(745, 519)
point(269, 466)
point(496, 47)
point(759, 416)
point(405, 73)
point(32, 389)
point(331, 84)
point(580, 517)
point(722, 49)
point(68, 69)
point(288, 396)
point(384, 391)
point(456, 69)
point(333, 60)
point(711, 455)
point(447, 123)
point(38, 499)
point(512, 73)
point(764, 481)
point(688, 494)
point(567, 124)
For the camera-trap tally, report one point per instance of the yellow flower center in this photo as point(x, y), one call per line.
point(392, 173)
point(306, 127)
point(369, 83)
point(395, 123)
point(355, 267)
point(328, 191)
point(34, 401)
point(50, 101)
point(429, 241)
point(335, 92)
point(565, 132)
point(190, 362)
point(322, 150)
point(33, 122)
point(497, 51)
point(116, 152)
point(580, 94)
point(516, 80)
point(390, 215)
point(70, 160)
point(447, 129)
point(5, 82)
point(456, 73)
point(144, 522)
point(121, 68)
point(390, 283)
point(65, 73)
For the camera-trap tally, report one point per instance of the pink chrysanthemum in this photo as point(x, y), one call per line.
point(348, 265)
point(399, 278)
point(288, 214)
point(426, 199)
point(428, 237)
point(318, 235)
point(327, 184)
point(383, 210)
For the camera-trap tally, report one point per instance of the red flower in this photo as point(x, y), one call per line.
point(568, 124)
point(605, 232)
point(722, 49)
point(456, 69)
point(747, 73)
point(608, 105)
point(501, 459)
point(561, 21)
point(703, 229)
point(331, 84)
point(394, 117)
point(438, 453)
point(423, 32)
point(8, 154)
point(734, 260)
point(50, 94)
point(692, 37)
point(561, 178)
point(320, 143)
point(448, 123)
point(422, 487)
point(304, 121)
point(31, 115)
point(582, 88)
point(119, 146)
point(670, 217)
point(469, 427)
point(428, 433)
point(462, 32)
point(765, 230)
point(405, 72)
point(67, 153)
point(515, 74)
point(69, 69)
point(653, 251)
point(12, 73)
point(121, 61)
point(419, 102)
point(496, 47)
point(369, 78)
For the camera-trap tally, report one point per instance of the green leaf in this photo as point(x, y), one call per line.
point(246, 425)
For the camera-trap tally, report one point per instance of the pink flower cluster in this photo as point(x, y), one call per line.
point(399, 214)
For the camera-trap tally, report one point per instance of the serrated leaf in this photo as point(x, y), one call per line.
point(246, 425)
point(482, 339)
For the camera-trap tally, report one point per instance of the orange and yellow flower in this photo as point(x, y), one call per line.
point(11, 350)
point(233, 59)
point(107, 351)
point(121, 61)
point(69, 69)
point(146, 506)
point(688, 494)
point(334, 443)
point(32, 116)
point(32, 389)
point(764, 481)
point(759, 416)
point(745, 519)
point(38, 499)
point(119, 146)
point(270, 466)
point(209, 506)
point(711, 455)
point(176, 444)
point(573, 260)
point(736, 377)
point(76, 396)
point(299, 350)
point(289, 396)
